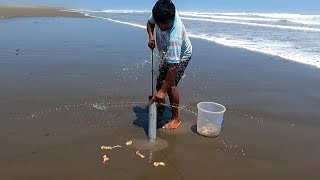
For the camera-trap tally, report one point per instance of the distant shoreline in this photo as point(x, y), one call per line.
point(20, 11)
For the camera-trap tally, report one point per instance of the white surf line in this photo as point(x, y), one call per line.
point(117, 21)
point(256, 24)
point(108, 11)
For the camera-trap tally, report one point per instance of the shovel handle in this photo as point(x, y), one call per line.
point(152, 79)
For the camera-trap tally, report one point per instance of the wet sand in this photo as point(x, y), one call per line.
point(67, 91)
point(18, 11)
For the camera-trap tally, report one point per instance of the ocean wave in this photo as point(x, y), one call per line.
point(270, 49)
point(249, 18)
point(244, 14)
point(256, 24)
point(285, 16)
point(269, 17)
point(284, 21)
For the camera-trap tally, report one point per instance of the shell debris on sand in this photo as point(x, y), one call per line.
point(129, 143)
point(140, 155)
point(150, 157)
point(208, 131)
point(156, 164)
point(105, 159)
point(104, 148)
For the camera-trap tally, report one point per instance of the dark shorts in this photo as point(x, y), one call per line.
point(164, 68)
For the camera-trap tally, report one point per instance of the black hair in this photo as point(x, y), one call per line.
point(164, 11)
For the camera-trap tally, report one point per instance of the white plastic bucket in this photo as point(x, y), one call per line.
point(210, 118)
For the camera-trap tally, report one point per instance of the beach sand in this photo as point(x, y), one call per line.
point(18, 11)
point(70, 85)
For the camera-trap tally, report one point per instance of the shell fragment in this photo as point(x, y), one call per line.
point(104, 148)
point(209, 131)
point(129, 143)
point(156, 164)
point(105, 159)
point(140, 155)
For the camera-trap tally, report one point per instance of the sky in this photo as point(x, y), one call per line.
point(284, 6)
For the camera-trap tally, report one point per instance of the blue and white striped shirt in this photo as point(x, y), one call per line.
point(173, 44)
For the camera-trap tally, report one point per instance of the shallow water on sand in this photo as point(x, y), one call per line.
point(60, 101)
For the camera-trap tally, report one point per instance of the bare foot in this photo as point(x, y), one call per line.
point(173, 124)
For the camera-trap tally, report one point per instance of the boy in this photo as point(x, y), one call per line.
point(175, 49)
